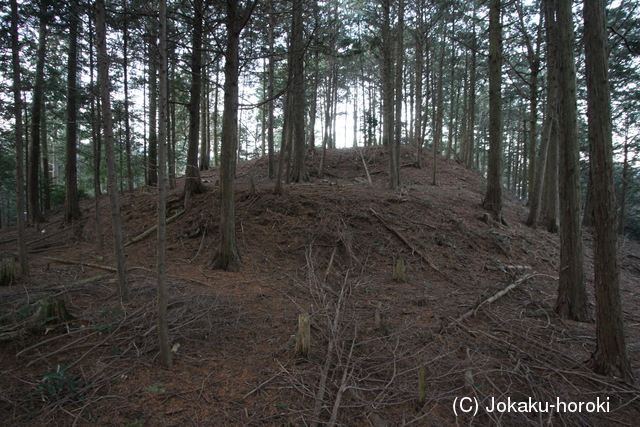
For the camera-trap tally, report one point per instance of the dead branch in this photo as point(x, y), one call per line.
point(366, 168)
point(152, 229)
point(491, 299)
point(83, 264)
point(406, 242)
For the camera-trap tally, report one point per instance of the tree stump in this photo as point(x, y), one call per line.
point(52, 311)
point(303, 337)
point(398, 272)
point(9, 271)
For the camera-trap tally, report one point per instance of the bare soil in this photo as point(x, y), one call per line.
point(328, 248)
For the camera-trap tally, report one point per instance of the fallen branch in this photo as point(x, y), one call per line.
point(491, 299)
point(57, 232)
point(83, 264)
point(406, 242)
point(152, 229)
point(366, 168)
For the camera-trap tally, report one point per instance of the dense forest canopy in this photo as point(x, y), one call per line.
point(338, 62)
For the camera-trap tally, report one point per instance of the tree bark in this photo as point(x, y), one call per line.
point(572, 302)
point(107, 122)
point(493, 197)
point(396, 141)
point(33, 187)
point(610, 357)
point(228, 257)
point(299, 169)
point(127, 118)
point(163, 328)
point(152, 161)
point(19, 129)
point(192, 182)
point(71, 201)
point(270, 107)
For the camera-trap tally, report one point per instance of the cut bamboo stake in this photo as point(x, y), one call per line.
point(152, 229)
point(406, 242)
point(303, 337)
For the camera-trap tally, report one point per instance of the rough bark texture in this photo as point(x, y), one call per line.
point(398, 90)
point(270, 106)
point(493, 197)
point(71, 201)
point(192, 183)
point(107, 122)
point(152, 162)
point(387, 93)
point(33, 187)
point(163, 328)
point(610, 357)
point(299, 169)
point(572, 302)
point(228, 257)
point(17, 96)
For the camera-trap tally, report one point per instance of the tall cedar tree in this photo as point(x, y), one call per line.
point(610, 357)
point(493, 198)
point(572, 302)
point(71, 201)
point(299, 169)
point(33, 169)
point(192, 183)
point(109, 143)
point(228, 257)
point(17, 96)
point(163, 327)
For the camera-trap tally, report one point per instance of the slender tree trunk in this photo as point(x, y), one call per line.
point(17, 96)
point(163, 328)
point(152, 169)
point(228, 257)
point(572, 302)
point(107, 121)
point(270, 106)
point(437, 136)
point(299, 169)
point(387, 91)
point(33, 187)
point(493, 197)
point(192, 182)
point(127, 115)
point(419, 35)
point(610, 357)
point(46, 176)
point(623, 192)
point(38, 136)
point(471, 131)
point(396, 141)
point(216, 160)
point(95, 137)
point(71, 201)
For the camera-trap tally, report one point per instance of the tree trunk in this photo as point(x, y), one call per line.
point(127, 118)
point(623, 192)
point(71, 201)
point(163, 327)
point(107, 121)
point(17, 96)
point(572, 302)
point(152, 162)
point(396, 141)
point(95, 137)
point(192, 182)
point(417, 132)
point(33, 188)
point(493, 198)
point(228, 257)
point(387, 92)
point(270, 107)
point(610, 357)
point(299, 169)
point(437, 132)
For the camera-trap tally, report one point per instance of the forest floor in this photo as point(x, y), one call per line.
point(328, 248)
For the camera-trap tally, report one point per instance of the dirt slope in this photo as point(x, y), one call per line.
point(329, 248)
